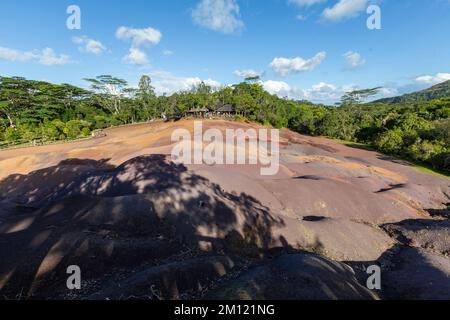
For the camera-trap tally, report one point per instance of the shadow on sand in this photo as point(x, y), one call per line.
point(150, 229)
point(145, 212)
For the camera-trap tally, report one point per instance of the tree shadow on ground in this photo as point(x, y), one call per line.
point(440, 213)
point(110, 221)
point(408, 273)
point(417, 266)
point(392, 187)
point(148, 228)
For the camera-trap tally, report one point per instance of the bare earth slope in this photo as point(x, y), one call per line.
point(140, 226)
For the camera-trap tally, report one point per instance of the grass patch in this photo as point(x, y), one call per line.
point(434, 172)
point(359, 145)
point(421, 167)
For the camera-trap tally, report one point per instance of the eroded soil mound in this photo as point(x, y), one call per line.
point(141, 226)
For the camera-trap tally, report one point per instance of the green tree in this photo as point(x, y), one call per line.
point(110, 90)
point(391, 141)
point(14, 97)
point(357, 97)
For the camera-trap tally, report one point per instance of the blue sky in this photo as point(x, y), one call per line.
point(305, 49)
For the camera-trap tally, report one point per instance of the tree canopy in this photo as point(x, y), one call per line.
point(40, 111)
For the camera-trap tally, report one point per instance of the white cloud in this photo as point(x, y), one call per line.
point(438, 78)
point(15, 55)
point(279, 88)
point(354, 60)
point(88, 45)
point(329, 93)
point(218, 15)
point(325, 92)
point(285, 66)
point(306, 3)
point(167, 83)
point(46, 57)
point(136, 57)
point(322, 92)
point(168, 53)
point(319, 93)
point(139, 37)
point(345, 9)
point(387, 92)
point(249, 73)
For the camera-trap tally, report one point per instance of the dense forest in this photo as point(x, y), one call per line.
point(39, 112)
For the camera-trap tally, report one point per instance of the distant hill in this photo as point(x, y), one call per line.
point(438, 91)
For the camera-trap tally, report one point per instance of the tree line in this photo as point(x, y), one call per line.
point(38, 111)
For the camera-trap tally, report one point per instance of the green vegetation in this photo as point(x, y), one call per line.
point(439, 91)
point(416, 132)
point(433, 172)
point(36, 111)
